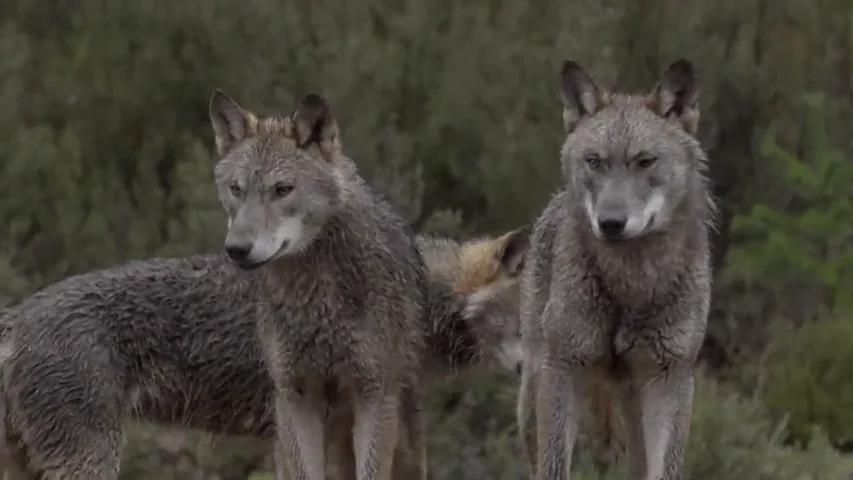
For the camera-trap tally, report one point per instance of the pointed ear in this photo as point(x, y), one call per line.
point(676, 96)
point(315, 127)
point(581, 95)
point(512, 250)
point(231, 124)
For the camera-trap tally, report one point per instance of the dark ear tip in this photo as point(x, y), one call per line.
point(570, 67)
point(524, 232)
point(516, 240)
point(314, 101)
point(682, 68)
point(218, 96)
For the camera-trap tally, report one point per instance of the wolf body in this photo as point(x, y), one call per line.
point(617, 289)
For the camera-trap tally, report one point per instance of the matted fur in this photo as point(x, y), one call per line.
point(341, 299)
point(617, 290)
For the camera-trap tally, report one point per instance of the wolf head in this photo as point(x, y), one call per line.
point(631, 160)
point(486, 272)
point(277, 177)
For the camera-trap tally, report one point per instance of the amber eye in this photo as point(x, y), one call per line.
point(593, 160)
point(235, 189)
point(282, 190)
point(646, 161)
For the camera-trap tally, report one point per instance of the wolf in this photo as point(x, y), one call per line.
point(617, 287)
point(172, 342)
point(486, 272)
point(341, 301)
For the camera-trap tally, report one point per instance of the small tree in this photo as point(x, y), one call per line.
point(809, 237)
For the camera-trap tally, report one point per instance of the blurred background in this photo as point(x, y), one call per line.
point(452, 108)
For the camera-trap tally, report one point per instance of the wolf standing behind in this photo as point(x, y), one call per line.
point(341, 301)
point(618, 285)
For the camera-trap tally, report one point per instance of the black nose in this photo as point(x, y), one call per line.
point(611, 226)
point(238, 253)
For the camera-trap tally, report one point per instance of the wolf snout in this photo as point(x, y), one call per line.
point(612, 226)
point(238, 252)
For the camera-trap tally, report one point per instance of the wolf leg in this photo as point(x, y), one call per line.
point(557, 406)
point(409, 454)
point(410, 461)
point(58, 441)
point(300, 449)
point(376, 416)
point(658, 416)
point(526, 413)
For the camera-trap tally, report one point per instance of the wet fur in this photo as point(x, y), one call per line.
point(341, 297)
point(611, 329)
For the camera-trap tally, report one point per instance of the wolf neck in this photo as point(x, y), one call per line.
point(639, 268)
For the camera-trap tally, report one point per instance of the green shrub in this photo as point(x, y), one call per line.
point(809, 379)
point(732, 438)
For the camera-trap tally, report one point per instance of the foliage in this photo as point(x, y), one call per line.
point(809, 379)
point(809, 239)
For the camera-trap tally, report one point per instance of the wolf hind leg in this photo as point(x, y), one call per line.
point(410, 460)
point(79, 437)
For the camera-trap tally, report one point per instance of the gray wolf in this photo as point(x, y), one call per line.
point(341, 301)
point(617, 287)
point(172, 341)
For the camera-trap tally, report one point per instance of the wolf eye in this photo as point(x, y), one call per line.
point(593, 160)
point(282, 190)
point(646, 161)
point(234, 189)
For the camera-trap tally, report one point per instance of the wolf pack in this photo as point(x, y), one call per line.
point(325, 320)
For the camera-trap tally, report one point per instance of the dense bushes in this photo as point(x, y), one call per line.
point(809, 379)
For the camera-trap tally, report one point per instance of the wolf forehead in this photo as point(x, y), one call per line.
point(271, 140)
point(626, 125)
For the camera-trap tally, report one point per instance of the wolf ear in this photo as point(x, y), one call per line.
point(581, 95)
point(512, 250)
point(231, 124)
point(677, 95)
point(314, 126)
